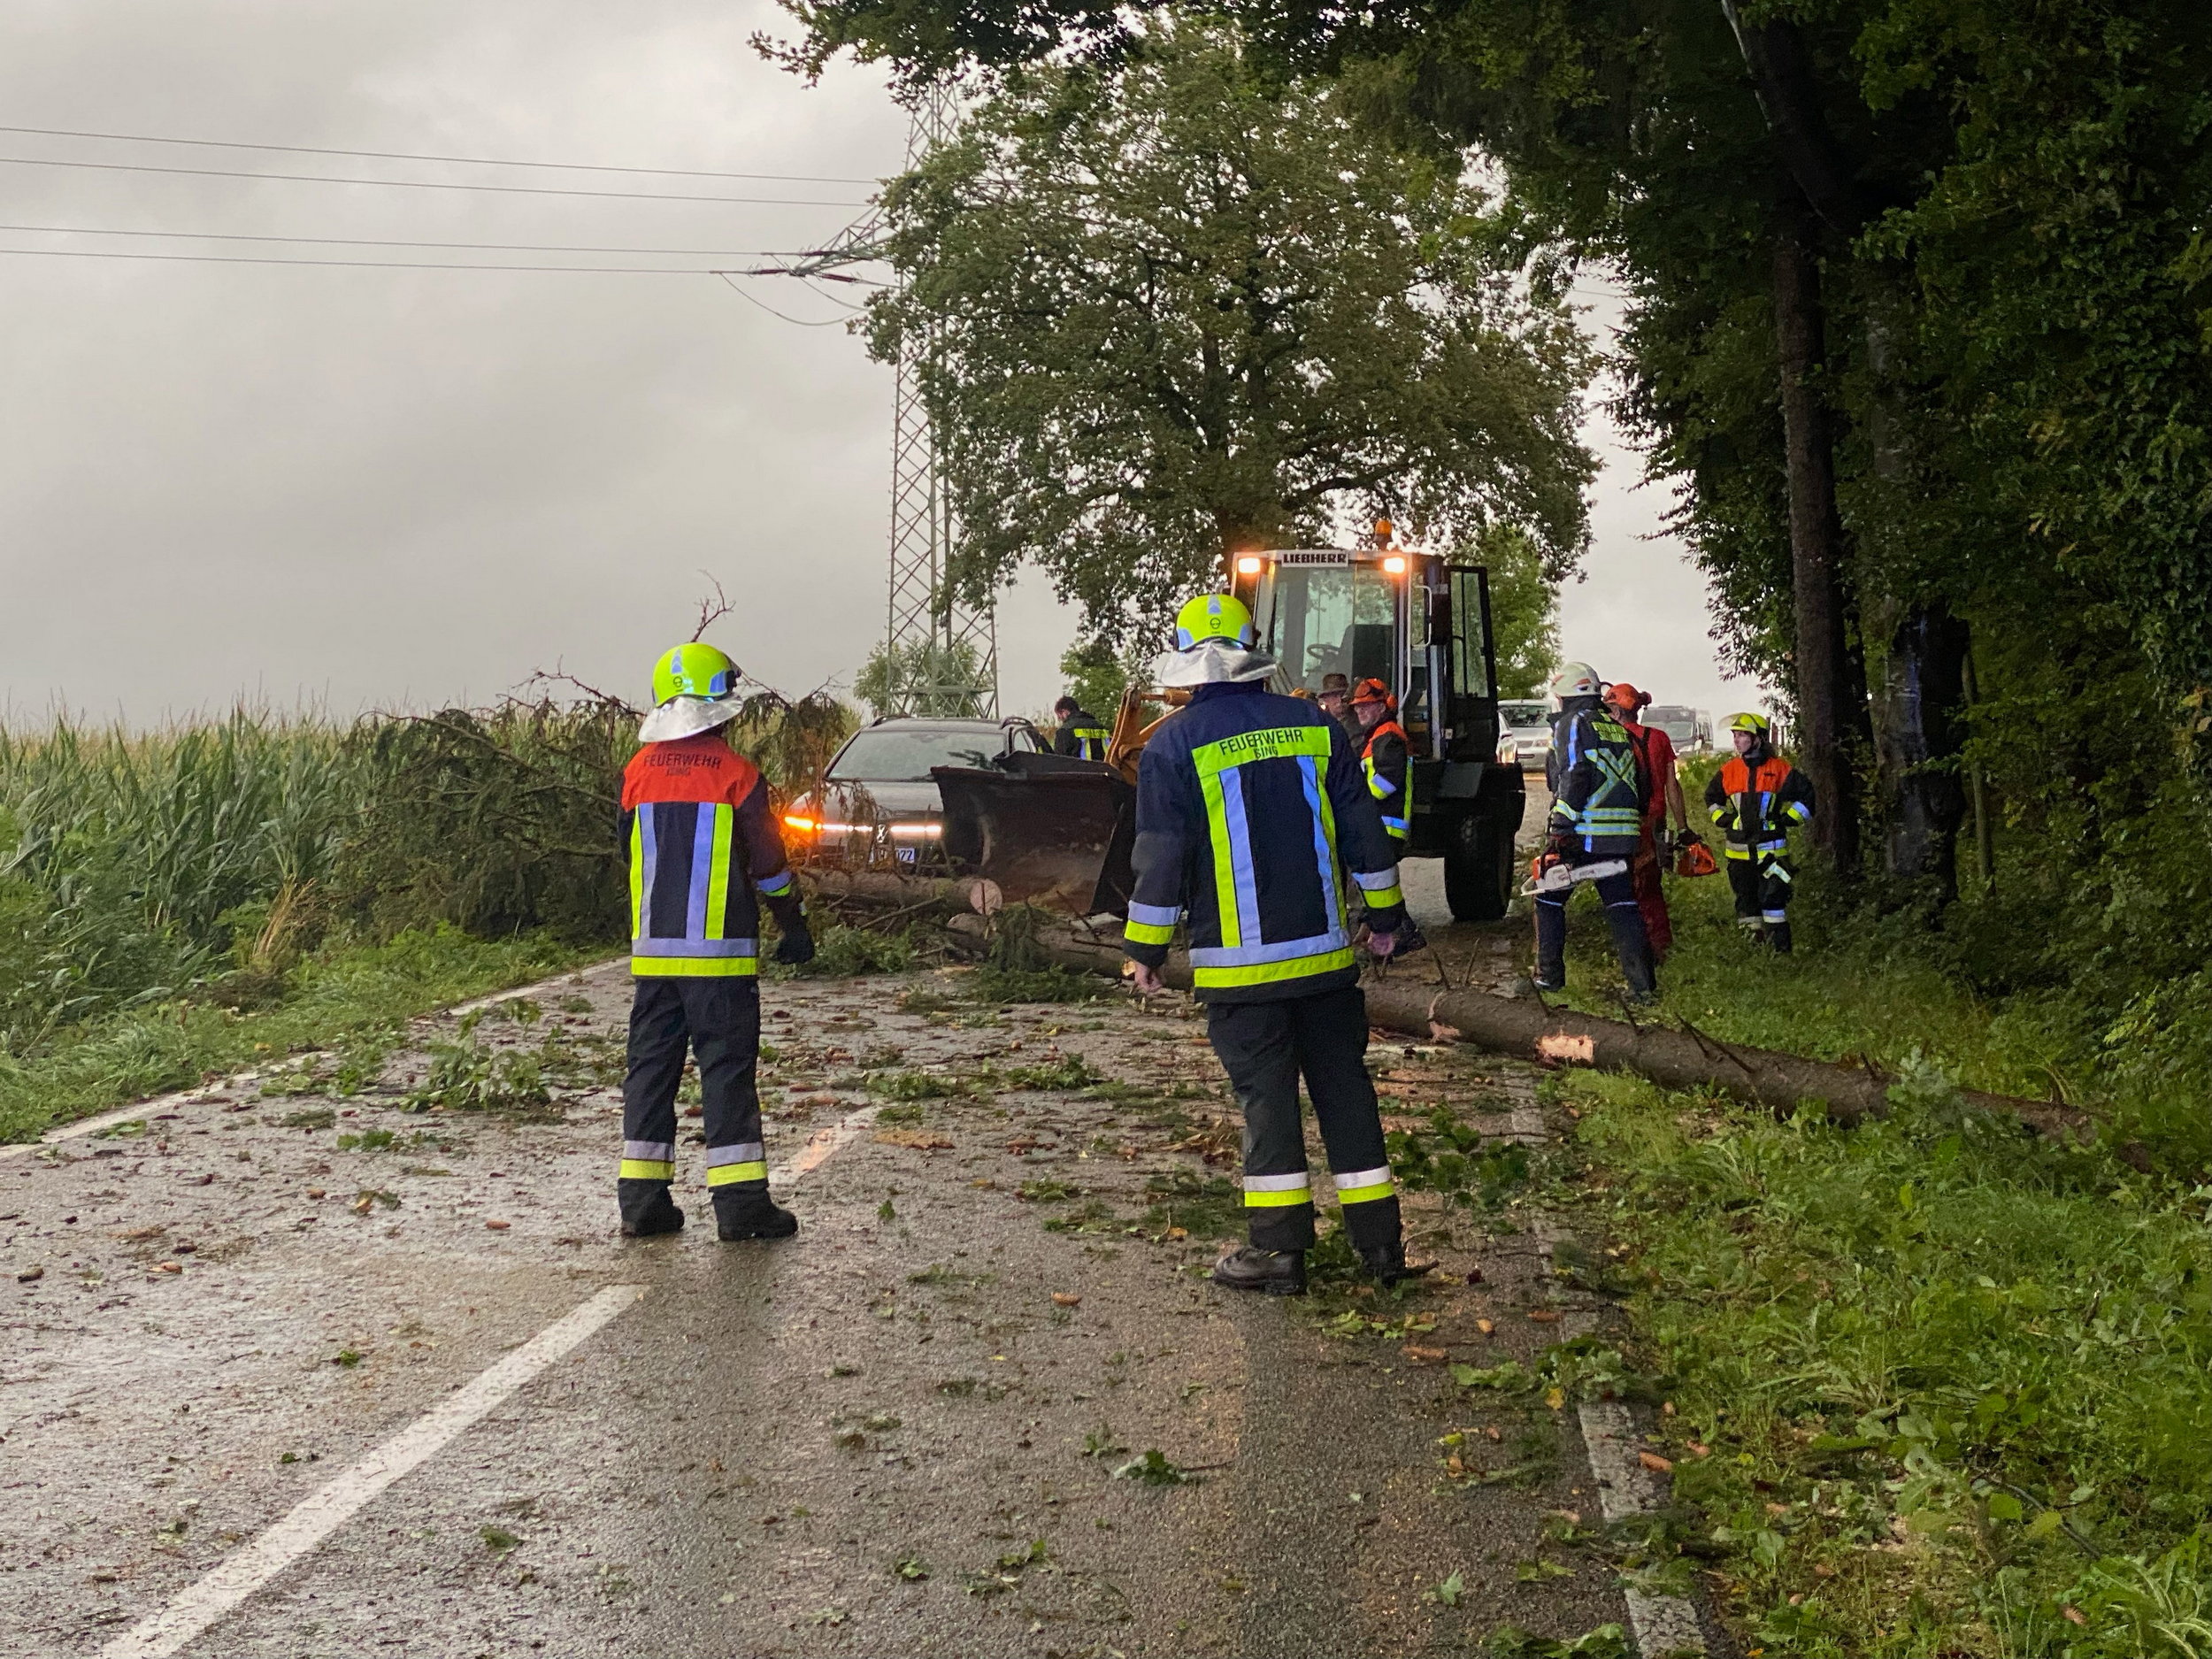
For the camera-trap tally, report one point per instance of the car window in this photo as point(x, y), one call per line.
point(1526, 714)
point(905, 754)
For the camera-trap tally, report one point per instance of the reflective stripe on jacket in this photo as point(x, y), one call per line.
point(704, 851)
point(1250, 811)
point(1597, 791)
point(1757, 806)
point(1082, 736)
point(1382, 762)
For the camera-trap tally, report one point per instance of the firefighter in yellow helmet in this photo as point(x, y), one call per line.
point(1252, 819)
point(1756, 798)
point(705, 855)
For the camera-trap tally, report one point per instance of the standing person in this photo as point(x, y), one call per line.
point(1755, 797)
point(703, 844)
point(1662, 801)
point(1593, 829)
point(1250, 810)
point(1081, 733)
point(1383, 755)
point(1336, 701)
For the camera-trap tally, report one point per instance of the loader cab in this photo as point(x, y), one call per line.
point(1422, 626)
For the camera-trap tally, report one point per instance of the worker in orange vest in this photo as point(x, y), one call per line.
point(1662, 800)
point(1383, 757)
point(1756, 798)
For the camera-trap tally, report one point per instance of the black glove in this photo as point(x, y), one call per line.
point(1559, 843)
point(797, 945)
point(1686, 840)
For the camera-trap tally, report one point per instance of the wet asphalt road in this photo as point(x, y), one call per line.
point(895, 1434)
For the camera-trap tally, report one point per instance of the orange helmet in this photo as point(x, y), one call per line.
point(1626, 698)
point(1373, 691)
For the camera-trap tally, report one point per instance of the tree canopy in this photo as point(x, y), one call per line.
point(1183, 307)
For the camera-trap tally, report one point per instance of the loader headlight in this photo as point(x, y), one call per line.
point(1509, 751)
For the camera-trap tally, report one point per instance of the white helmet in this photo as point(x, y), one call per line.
point(1574, 679)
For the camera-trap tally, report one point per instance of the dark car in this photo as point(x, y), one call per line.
point(877, 798)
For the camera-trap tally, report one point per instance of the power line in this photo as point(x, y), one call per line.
point(779, 316)
point(414, 184)
point(368, 241)
point(474, 161)
point(367, 264)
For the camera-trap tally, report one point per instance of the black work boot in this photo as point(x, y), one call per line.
point(1388, 1262)
point(751, 1214)
point(1277, 1273)
point(1778, 936)
point(647, 1209)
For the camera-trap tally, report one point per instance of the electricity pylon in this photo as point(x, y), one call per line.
point(947, 652)
point(943, 653)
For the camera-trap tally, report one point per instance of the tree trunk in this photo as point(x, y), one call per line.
point(1672, 1056)
point(1830, 713)
point(1923, 698)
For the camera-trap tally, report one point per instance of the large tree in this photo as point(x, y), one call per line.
point(1164, 312)
point(1919, 292)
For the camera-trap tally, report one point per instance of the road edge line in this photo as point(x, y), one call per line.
point(81, 1126)
point(315, 1517)
point(1661, 1624)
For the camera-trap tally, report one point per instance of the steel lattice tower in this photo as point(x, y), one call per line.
point(925, 627)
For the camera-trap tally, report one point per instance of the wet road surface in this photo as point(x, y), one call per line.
point(898, 1433)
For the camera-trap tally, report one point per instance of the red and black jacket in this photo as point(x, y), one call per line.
point(704, 851)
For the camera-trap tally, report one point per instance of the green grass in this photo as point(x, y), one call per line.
point(1850, 989)
point(1952, 1381)
point(334, 999)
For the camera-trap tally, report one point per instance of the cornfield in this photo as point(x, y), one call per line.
point(206, 860)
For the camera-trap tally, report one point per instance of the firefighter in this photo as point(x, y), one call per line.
point(1383, 757)
point(1335, 698)
point(1250, 810)
point(1662, 801)
point(1756, 797)
point(703, 853)
point(1593, 829)
point(1081, 733)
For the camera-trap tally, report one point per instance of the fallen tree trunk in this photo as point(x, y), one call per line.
point(946, 894)
point(1673, 1055)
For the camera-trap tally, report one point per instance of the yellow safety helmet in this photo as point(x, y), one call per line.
point(1753, 723)
point(694, 670)
point(1213, 617)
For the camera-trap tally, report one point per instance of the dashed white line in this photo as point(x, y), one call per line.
point(316, 1517)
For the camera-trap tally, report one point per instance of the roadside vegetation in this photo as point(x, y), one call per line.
point(177, 903)
point(1940, 1385)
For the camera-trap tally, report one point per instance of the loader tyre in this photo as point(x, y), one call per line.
point(1478, 869)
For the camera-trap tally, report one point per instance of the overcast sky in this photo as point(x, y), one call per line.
point(382, 487)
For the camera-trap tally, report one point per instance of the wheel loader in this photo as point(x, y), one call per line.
point(1056, 831)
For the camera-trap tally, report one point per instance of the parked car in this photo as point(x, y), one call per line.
point(878, 800)
point(1528, 729)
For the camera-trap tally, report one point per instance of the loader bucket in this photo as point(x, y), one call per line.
point(1049, 830)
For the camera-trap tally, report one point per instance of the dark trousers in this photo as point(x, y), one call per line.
point(1623, 915)
point(1762, 889)
point(719, 1020)
point(1266, 1047)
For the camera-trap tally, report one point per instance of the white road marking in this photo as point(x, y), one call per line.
point(316, 1517)
point(821, 1143)
point(1662, 1624)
